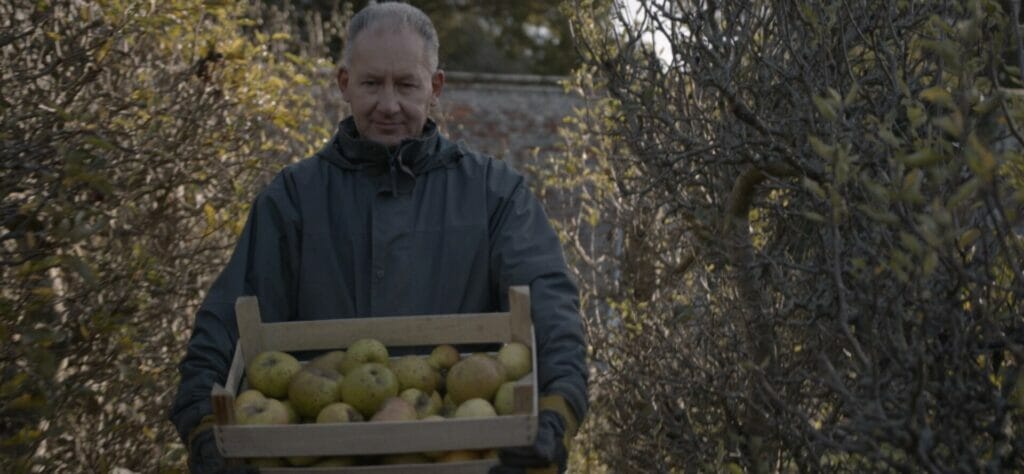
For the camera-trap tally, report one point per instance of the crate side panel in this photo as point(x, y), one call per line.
point(391, 331)
point(463, 467)
point(375, 438)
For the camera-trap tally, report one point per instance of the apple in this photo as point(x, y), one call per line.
point(361, 352)
point(443, 357)
point(424, 404)
point(476, 376)
point(302, 461)
point(247, 396)
point(271, 371)
point(458, 456)
point(414, 371)
point(337, 461)
point(293, 415)
point(404, 458)
point(338, 412)
point(262, 411)
point(475, 408)
point(265, 462)
point(503, 398)
point(367, 386)
point(517, 360)
point(329, 360)
point(448, 406)
point(312, 389)
point(395, 409)
point(488, 454)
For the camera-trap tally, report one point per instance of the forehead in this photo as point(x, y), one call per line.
point(388, 49)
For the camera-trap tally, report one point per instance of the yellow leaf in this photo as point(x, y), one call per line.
point(937, 95)
point(211, 215)
point(968, 237)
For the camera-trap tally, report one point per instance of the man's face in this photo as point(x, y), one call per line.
point(389, 85)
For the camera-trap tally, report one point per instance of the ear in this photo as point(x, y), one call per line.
point(343, 82)
point(437, 83)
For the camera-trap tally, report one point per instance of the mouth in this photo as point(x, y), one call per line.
point(388, 125)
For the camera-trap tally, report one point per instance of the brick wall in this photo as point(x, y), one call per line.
point(504, 116)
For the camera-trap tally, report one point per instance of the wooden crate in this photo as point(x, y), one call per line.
point(370, 438)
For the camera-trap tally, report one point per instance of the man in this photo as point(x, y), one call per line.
point(391, 218)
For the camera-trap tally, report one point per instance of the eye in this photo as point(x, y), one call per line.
point(371, 82)
point(408, 85)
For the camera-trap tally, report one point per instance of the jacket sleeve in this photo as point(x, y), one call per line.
point(263, 264)
point(525, 250)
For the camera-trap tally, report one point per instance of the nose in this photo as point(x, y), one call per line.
point(388, 101)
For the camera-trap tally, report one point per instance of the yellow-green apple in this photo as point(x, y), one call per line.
point(476, 376)
point(265, 462)
point(361, 352)
point(247, 396)
point(504, 398)
point(336, 461)
point(367, 386)
point(338, 412)
point(516, 359)
point(458, 456)
point(329, 360)
point(271, 371)
point(262, 411)
point(293, 415)
point(475, 408)
point(404, 458)
point(425, 405)
point(302, 461)
point(312, 389)
point(414, 371)
point(443, 357)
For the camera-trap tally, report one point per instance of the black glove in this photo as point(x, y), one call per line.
point(205, 458)
point(548, 449)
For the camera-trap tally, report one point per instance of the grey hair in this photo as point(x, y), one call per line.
point(397, 15)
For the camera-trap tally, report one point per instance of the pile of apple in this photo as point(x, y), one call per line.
point(364, 384)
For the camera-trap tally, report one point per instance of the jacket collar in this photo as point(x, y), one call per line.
point(412, 157)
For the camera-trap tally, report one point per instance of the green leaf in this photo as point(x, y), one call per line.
point(963, 192)
point(911, 191)
point(826, 108)
point(814, 187)
point(823, 150)
point(921, 158)
point(814, 216)
point(916, 115)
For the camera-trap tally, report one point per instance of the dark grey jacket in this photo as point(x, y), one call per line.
point(356, 231)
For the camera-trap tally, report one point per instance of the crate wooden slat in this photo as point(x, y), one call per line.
point(461, 467)
point(314, 439)
point(370, 438)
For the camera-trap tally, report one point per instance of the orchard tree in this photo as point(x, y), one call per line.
point(799, 235)
point(518, 37)
point(134, 135)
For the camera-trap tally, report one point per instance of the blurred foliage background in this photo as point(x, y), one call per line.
point(797, 226)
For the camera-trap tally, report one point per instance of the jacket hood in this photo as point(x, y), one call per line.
point(410, 158)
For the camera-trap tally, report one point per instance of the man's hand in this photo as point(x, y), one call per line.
point(204, 458)
point(548, 449)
